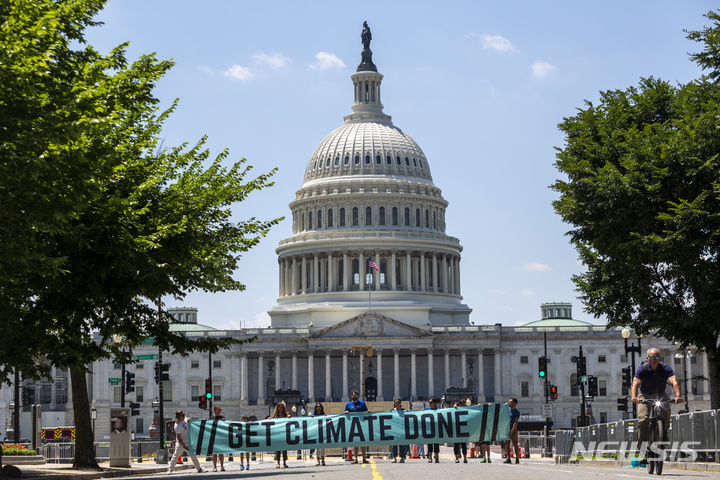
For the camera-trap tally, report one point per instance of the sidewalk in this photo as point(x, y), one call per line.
point(64, 471)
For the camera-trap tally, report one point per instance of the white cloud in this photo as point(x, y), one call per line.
point(497, 42)
point(274, 60)
point(525, 292)
point(205, 69)
point(535, 267)
point(542, 69)
point(237, 72)
point(326, 60)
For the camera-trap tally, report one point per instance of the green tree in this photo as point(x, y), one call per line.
point(143, 223)
point(643, 196)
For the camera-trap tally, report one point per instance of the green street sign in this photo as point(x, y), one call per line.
point(151, 356)
point(114, 380)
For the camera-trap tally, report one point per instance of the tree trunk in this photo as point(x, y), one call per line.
point(714, 374)
point(84, 447)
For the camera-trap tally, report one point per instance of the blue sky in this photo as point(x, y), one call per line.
point(481, 86)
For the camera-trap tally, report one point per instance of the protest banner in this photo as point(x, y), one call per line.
point(488, 422)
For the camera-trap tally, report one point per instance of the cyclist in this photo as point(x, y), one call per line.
point(651, 378)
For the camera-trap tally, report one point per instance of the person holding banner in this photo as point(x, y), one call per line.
point(245, 418)
point(397, 406)
point(458, 446)
point(514, 421)
point(320, 452)
point(280, 412)
point(181, 434)
point(433, 447)
point(217, 409)
point(357, 405)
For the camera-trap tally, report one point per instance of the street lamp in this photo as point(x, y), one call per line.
point(632, 349)
point(685, 355)
point(93, 417)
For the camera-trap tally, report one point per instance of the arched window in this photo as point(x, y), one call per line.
point(414, 163)
point(397, 159)
point(367, 159)
point(347, 159)
point(319, 219)
point(407, 162)
point(389, 160)
point(355, 217)
point(330, 218)
point(368, 216)
point(382, 216)
point(337, 161)
point(417, 218)
point(357, 159)
point(341, 273)
point(427, 219)
point(378, 159)
point(383, 271)
point(397, 271)
point(310, 221)
point(434, 222)
point(327, 162)
point(407, 217)
point(395, 216)
point(342, 217)
point(574, 387)
point(356, 271)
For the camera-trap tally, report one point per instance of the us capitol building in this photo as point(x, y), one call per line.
point(398, 330)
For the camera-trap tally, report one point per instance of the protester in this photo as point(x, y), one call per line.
point(458, 446)
point(320, 452)
point(397, 406)
point(514, 421)
point(357, 405)
point(181, 438)
point(217, 409)
point(280, 412)
point(245, 454)
point(433, 447)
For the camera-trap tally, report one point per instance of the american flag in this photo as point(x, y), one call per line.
point(372, 264)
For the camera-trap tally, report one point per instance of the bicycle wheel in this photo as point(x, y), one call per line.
point(652, 438)
point(659, 434)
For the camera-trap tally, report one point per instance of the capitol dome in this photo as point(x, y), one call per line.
point(368, 227)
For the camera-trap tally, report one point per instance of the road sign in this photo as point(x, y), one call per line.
point(152, 356)
point(114, 380)
point(547, 410)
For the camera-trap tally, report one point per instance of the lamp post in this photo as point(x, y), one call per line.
point(685, 355)
point(93, 417)
point(632, 349)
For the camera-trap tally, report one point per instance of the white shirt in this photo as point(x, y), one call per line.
point(181, 430)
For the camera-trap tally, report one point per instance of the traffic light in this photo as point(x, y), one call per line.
point(622, 404)
point(626, 377)
point(129, 382)
point(542, 366)
point(581, 370)
point(25, 396)
point(161, 374)
point(134, 409)
point(208, 389)
point(592, 386)
point(203, 402)
point(554, 392)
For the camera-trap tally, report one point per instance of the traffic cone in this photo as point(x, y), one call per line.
point(415, 452)
point(179, 462)
point(472, 452)
point(349, 455)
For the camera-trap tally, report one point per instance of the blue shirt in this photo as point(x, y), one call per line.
point(514, 414)
point(653, 382)
point(358, 406)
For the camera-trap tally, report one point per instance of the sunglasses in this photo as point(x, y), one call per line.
point(654, 358)
point(431, 401)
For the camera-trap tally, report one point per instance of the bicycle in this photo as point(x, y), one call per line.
point(656, 433)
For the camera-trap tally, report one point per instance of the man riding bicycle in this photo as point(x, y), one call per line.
point(650, 379)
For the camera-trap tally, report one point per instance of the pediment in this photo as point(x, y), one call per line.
point(369, 325)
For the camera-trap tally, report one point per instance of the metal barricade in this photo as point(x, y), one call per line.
point(703, 433)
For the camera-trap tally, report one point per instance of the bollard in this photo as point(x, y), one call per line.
point(230, 459)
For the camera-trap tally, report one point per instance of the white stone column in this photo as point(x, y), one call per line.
point(288, 277)
point(281, 278)
point(463, 367)
point(303, 275)
point(243, 378)
point(278, 374)
point(361, 371)
point(457, 278)
point(315, 276)
point(311, 376)
point(451, 287)
point(376, 274)
point(431, 373)
point(413, 374)
point(379, 375)
point(423, 274)
point(323, 275)
point(294, 276)
point(361, 270)
point(480, 384)
point(435, 272)
point(294, 371)
point(396, 379)
point(347, 272)
point(498, 383)
point(447, 369)
point(328, 371)
point(393, 273)
point(331, 273)
point(345, 376)
point(408, 271)
point(261, 380)
point(444, 267)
